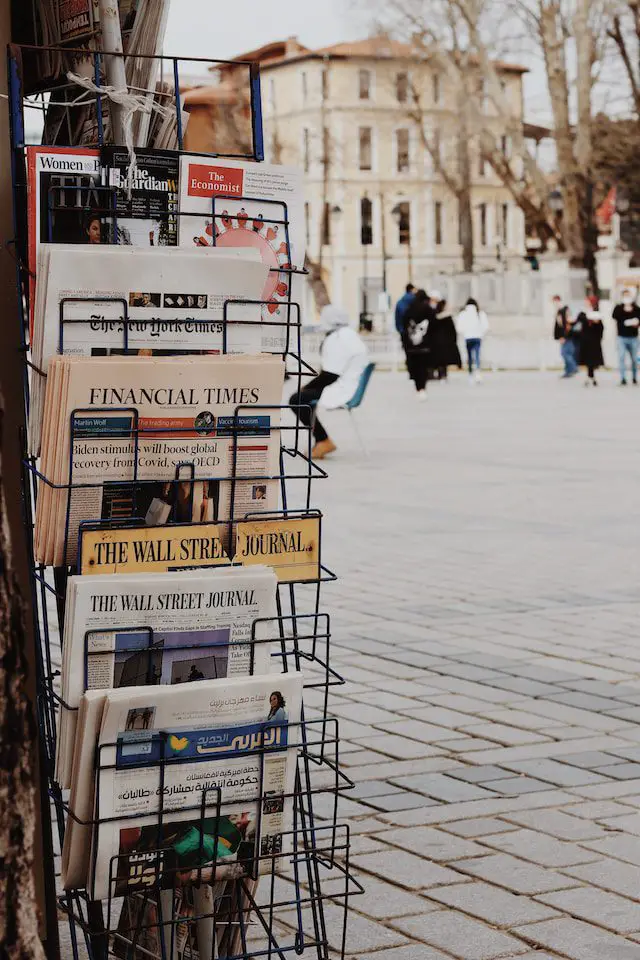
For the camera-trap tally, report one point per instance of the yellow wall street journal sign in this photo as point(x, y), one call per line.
point(291, 547)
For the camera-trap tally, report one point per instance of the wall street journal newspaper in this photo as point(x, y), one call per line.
point(160, 628)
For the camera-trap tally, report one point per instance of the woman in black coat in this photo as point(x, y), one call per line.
point(591, 344)
point(416, 339)
point(444, 341)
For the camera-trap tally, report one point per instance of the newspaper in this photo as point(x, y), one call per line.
point(193, 783)
point(174, 301)
point(133, 434)
point(237, 203)
point(159, 628)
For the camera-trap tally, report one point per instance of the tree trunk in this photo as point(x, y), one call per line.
point(317, 283)
point(18, 915)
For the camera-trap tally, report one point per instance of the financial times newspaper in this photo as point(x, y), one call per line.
point(144, 430)
point(160, 628)
point(217, 761)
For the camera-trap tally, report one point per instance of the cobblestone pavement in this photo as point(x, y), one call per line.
point(486, 621)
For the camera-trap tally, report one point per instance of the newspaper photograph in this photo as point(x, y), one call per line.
point(160, 628)
point(217, 760)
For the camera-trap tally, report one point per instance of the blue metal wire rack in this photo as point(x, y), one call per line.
point(285, 914)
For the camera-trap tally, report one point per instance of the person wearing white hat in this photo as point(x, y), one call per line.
point(343, 357)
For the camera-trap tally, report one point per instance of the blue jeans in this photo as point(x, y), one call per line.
point(628, 345)
point(473, 353)
point(568, 353)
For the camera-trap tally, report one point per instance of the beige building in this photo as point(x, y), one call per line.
point(343, 114)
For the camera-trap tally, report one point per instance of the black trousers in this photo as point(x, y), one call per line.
point(418, 367)
point(312, 391)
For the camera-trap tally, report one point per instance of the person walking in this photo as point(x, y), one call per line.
point(591, 344)
point(472, 324)
point(402, 306)
point(417, 339)
point(627, 318)
point(444, 341)
point(343, 357)
point(563, 334)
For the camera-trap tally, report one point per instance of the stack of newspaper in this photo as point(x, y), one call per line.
point(104, 301)
point(124, 630)
point(162, 438)
point(186, 783)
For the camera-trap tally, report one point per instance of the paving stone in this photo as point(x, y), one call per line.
point(612, 875)
point(579, 941)
point(401, 800)
point(461, 937)
point(480, 774)
point(559, 774)
point(417, 730)
point(508, 736)
point(591, 761)
point(515, 786)
point(432, 843)
point(599, 809)
point(405, 869)
point(393, 746)
point(617, 845)
point(542, 849)
point(441, 787)
point(498, 907)
point(417, 951)
point(384, 901)
point(477, 828)
point(621, 771)
point(372, 788)
point(598, 907)
point(517, 875)
point(557, 824)
point(586, 701)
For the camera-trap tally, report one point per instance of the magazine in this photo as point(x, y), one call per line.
point(128, 432)
point(146, 215)
point(237, 203)
point(62, 193)
point(174, 302)
point(217, 761)
point(290, 545)
point(160, 628)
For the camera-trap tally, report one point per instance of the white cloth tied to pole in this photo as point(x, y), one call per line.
point(130, 103)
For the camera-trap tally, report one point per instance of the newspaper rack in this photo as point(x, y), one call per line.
point(286, 914)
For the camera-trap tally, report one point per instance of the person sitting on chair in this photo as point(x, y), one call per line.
point(343, 357)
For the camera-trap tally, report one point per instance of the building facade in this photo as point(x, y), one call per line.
point(378, 214)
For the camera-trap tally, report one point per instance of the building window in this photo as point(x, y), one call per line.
point(435, 86)
point(326, 158)
point(326, 224)
point(402, 87)
point(325, 84)
point(505, 224)
point(402, 151)
point(366, 221)
point(437, 222)
point(305, 90)
point(365, 150)
point(364, 84)
point(272, 95)
point(504, 145)
point(306, 153)
point(483, 224)
point(437, 149)
point(404, 223)
point(307, 222)
point(482, 163)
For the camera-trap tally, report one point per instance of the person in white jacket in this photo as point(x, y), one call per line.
point(343, 357)
point(472, 324)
